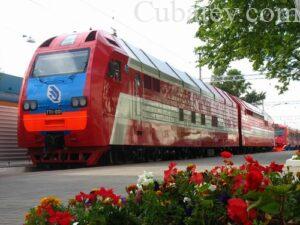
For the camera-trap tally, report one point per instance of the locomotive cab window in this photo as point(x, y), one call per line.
point(214, 121)
point(114, 69)
point(61, 63)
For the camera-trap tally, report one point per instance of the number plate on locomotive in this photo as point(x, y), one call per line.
point(53, 112)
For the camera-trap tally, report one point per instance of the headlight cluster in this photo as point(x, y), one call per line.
point(30, 105)
point(78, 102)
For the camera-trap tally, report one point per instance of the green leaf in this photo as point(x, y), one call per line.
point(207, 203)
point(271, 208)
point(280, 189)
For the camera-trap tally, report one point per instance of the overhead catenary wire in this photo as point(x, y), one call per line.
point(102, 12)
point(36, 3)
point(135, 31)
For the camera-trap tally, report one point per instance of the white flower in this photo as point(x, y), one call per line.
point(187, 200)
point(212, 187)
point(75, 223)
point(145, 179)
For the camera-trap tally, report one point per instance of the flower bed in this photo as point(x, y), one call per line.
point(228, 194)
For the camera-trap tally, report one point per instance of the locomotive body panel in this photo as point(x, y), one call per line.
point(132, 99)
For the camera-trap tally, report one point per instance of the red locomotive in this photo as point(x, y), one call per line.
point(286, 138)
point(92, 95)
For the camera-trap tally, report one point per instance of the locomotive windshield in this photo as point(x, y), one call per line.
point(71, 62)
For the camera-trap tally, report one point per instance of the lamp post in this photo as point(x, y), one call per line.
point(200, 69)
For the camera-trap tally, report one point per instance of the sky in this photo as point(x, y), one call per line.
point(158, 26)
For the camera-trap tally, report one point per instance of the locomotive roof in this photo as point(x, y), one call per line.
point(254, 109)
point(144, 62)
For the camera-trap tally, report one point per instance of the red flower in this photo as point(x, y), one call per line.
point(238, 182)
point(60, 218)
point(237, 211)
point(273, 167)
point(105, 193)
point(168, 174)
point(226, 155)
point(172, 165)
point(250, 159)
point(83, 197)
point(131, 188)
point(256, 167)
point(196, 178)
point(191, 167)
point(254, 179)
point(109, 194)
point(252, 214)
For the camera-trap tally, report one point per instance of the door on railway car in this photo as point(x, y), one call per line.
point(137, 104)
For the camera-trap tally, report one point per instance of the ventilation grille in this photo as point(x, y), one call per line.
point(91, 36)
point(112, 42)
point(47, 43)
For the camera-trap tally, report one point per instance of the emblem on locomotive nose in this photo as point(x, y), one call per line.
point(54, 94)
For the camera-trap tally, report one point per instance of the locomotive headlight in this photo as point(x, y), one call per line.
point(82, 101)
point(79, 101)
point(33, 105)
point(30, 105)
point(26, 106)
point(75, 102)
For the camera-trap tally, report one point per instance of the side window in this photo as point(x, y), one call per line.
point(137, 80)
point(114, 69)
point(193, 117)
point(151, 83)
point(147, 82)
point(156, 84)
point(214, 121)
point(203, 122)
point(181, 115)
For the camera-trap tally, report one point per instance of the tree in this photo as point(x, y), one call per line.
point(254, 97)
point(265, 32)
point(235, 84)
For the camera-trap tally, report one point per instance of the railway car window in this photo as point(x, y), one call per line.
point(193, 117)
point(266, 123)
point(137, 80)
point(147, 82)
point(156, 84)
point(181, 115)
point(114, 69)
point(71, 62)
point(203, 119)
point(214, 121)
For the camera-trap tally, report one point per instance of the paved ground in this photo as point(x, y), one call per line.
point(21, 188)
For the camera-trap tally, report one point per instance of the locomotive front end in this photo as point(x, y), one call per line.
point(55, 103)
point(55, 99)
